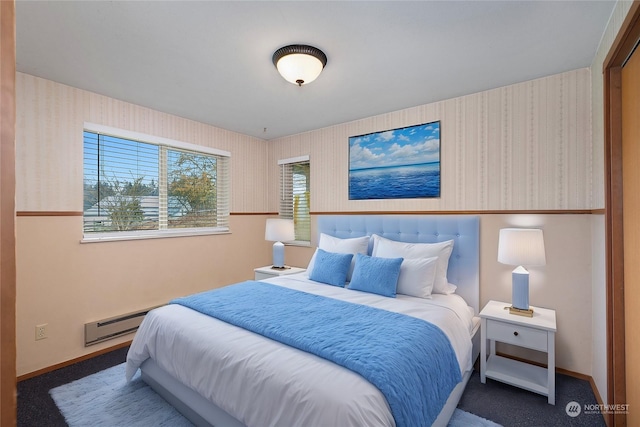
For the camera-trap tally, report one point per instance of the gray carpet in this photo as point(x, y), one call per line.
point(36, 408)
point(511, 406)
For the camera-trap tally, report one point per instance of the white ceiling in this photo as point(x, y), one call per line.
point(210, 61)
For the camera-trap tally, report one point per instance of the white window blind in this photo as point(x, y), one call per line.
point(295, 195)
point(151, 189)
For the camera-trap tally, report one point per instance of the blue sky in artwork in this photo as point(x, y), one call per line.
point(399, 147)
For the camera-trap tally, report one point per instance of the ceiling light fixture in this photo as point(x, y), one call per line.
point(299, 64)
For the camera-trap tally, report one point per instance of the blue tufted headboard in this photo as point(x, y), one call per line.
point(464, 264)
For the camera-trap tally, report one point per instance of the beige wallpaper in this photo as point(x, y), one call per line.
point(50, 119)
point(524, 146)
point(597, 88)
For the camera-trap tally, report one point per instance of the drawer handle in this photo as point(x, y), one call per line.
point(515, 333)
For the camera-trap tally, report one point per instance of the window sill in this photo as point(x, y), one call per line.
point(298, 243)
point(164, 234)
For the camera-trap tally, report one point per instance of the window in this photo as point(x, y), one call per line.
point(142, 186)
point(295, 201)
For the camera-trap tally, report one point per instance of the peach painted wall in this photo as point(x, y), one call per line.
point(66, 284)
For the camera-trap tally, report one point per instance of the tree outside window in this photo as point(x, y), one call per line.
point(135, 186)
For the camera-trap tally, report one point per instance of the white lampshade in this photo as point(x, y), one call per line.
point(521, 246)
point(299, 64)
point(279, 230)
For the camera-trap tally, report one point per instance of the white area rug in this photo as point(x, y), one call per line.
point(105, 399)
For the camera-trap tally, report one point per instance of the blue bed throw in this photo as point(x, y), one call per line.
point(409, 360)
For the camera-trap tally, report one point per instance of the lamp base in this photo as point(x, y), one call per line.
point(521, 312)
point(520, 288)
point(278, 255)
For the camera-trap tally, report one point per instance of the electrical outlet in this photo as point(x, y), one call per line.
point(41, 331)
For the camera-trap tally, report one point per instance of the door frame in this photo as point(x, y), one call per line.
point(621, 49)
point(7, 215)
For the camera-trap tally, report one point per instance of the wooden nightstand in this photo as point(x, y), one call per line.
point(537, 332)
point(268, 272)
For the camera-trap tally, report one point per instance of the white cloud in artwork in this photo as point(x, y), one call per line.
point(385, 136)
point(364, 156)
point(398, 147)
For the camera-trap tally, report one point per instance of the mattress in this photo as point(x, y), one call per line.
point(261, 382)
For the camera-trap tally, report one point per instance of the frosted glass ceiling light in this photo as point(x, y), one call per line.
point(299, 64)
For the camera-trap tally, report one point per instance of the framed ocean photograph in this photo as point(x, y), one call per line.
point(400, 163)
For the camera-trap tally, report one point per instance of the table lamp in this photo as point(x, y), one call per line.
point(278, 231)
point(521, 247)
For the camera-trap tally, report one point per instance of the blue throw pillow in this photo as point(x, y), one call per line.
point(331, 268)
point(376, 275)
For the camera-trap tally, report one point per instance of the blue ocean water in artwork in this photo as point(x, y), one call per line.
point(395, 182)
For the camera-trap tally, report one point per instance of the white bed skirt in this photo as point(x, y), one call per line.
point(203, 413)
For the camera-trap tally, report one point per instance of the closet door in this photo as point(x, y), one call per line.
point(631, 230)
point(7, 214)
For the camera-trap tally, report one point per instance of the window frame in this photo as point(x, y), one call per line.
point(281, 164)
point(169, 144)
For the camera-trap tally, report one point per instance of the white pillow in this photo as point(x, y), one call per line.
point(391, 249)
point(342, 246)
point(449, 289)
point(417, 277)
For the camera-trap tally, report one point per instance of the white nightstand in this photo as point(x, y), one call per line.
point(268, 272)
point(537, 332)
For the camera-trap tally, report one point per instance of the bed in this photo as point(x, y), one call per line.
point(216, 373)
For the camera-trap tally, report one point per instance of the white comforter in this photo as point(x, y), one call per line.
point(262, 382)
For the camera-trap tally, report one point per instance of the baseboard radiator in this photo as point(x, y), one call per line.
point(113, 327)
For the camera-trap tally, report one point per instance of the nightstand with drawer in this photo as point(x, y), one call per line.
point(537, 333)
point(268, 272)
